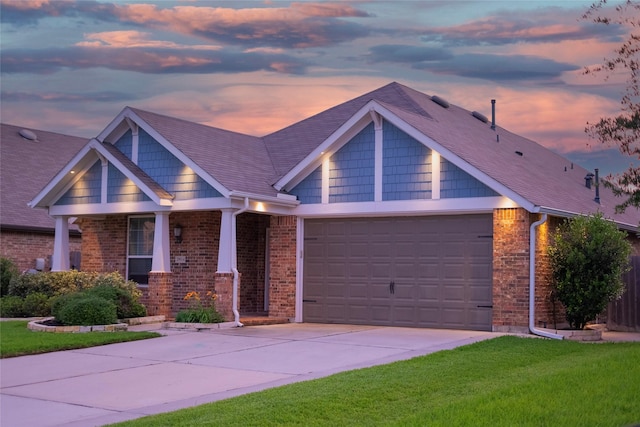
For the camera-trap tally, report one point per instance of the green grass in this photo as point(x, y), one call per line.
point(506, 381)
point(17, 340)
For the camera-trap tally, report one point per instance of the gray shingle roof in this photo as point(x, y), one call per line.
point(26, 167)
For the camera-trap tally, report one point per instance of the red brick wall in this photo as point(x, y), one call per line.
point(510, 269)
point(199, 246)
point(282, 266)
point(104, 244)
point(549, 313)
point(24, 247)
point(251, 231)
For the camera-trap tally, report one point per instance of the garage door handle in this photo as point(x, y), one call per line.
point(392, 288)
point(309, 300)
point(484, 306)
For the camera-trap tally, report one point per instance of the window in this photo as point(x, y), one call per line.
point(140, 249)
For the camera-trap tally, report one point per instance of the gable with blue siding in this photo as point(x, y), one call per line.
point(125, 144)
point(309, 190)
point(86, 189)
point(164, 168)
point(351, 171)
point(122, 189)
point(456, 183)
point(406, 166)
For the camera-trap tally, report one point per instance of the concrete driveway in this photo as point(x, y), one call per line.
point(101, 385)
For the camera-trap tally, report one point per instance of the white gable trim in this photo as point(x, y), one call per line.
point(362, 118)
point(406, 207)
point(80, 163)
point(90, 153)
point(127, 116)
point(333, 143)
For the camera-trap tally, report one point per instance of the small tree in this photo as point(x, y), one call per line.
point(588, 257)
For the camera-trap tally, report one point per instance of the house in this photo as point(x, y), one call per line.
point(394, 208)
point(28, 160)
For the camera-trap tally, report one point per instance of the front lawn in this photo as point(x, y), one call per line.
point(17, 340)
point(507, 381)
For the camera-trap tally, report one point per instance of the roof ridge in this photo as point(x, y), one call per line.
point(402, 91)
point(136, 110)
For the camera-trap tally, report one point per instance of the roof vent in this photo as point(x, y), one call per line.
point(587, 180)
point(27, 134)
point(480, 117)
point(519, 153)
point(440, 101)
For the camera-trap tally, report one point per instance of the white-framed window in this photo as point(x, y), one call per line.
point(140, 248)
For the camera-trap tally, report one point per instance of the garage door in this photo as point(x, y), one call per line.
point(431, 271)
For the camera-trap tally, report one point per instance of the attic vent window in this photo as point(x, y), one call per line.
point(480, 117)
point(440, 101)
point(27, 134)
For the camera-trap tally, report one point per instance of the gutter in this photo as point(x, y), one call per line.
point(532, 282)
point(234, 264)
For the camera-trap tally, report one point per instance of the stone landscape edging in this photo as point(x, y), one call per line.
point(37, 326)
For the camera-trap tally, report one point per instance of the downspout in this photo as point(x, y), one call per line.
point(532, 282)
point(234, 263)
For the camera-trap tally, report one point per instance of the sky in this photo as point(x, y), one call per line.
point(257, 66)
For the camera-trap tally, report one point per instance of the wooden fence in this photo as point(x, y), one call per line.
point(624, 314)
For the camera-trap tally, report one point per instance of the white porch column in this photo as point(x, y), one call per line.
point(377, 176)
point(225, 249)
point(161, 262)
point(60, 258)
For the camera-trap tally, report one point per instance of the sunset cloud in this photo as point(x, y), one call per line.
point(257, 66)
point(504, 28)
point(147, 60)
point(133, 39)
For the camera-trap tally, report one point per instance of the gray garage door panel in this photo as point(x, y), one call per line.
point(410, 271)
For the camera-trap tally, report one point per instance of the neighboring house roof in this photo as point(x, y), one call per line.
point(26, 166)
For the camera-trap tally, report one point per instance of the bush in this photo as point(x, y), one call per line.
point(60, 301)
point(8, 270)
point(116, 280)
point(51, 283)
point(125, 303)
point(37, 305)
point(88, 310)
point(588, 257)
point(11, 306)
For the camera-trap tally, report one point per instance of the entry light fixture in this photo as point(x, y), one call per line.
point(177, 233)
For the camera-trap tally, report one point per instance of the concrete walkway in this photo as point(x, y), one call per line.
point(117, 382)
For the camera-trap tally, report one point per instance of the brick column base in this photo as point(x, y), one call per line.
point(160, 294)
point(223, 284)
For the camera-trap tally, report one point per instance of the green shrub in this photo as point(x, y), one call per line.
point(126, 304)
point(59, 302)
point(588, 257)
point(11, 306)
point(88, 310)
point(8, 270)
point(37, 305)
point(51, 283)
point(116, 280)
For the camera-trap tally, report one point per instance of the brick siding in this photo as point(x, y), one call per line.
point(104, 244)
point(282, 266)
point(23, 247)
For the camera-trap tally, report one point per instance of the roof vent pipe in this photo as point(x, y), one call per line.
point(587, 180)
point(597, 199)
point(493, 114)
